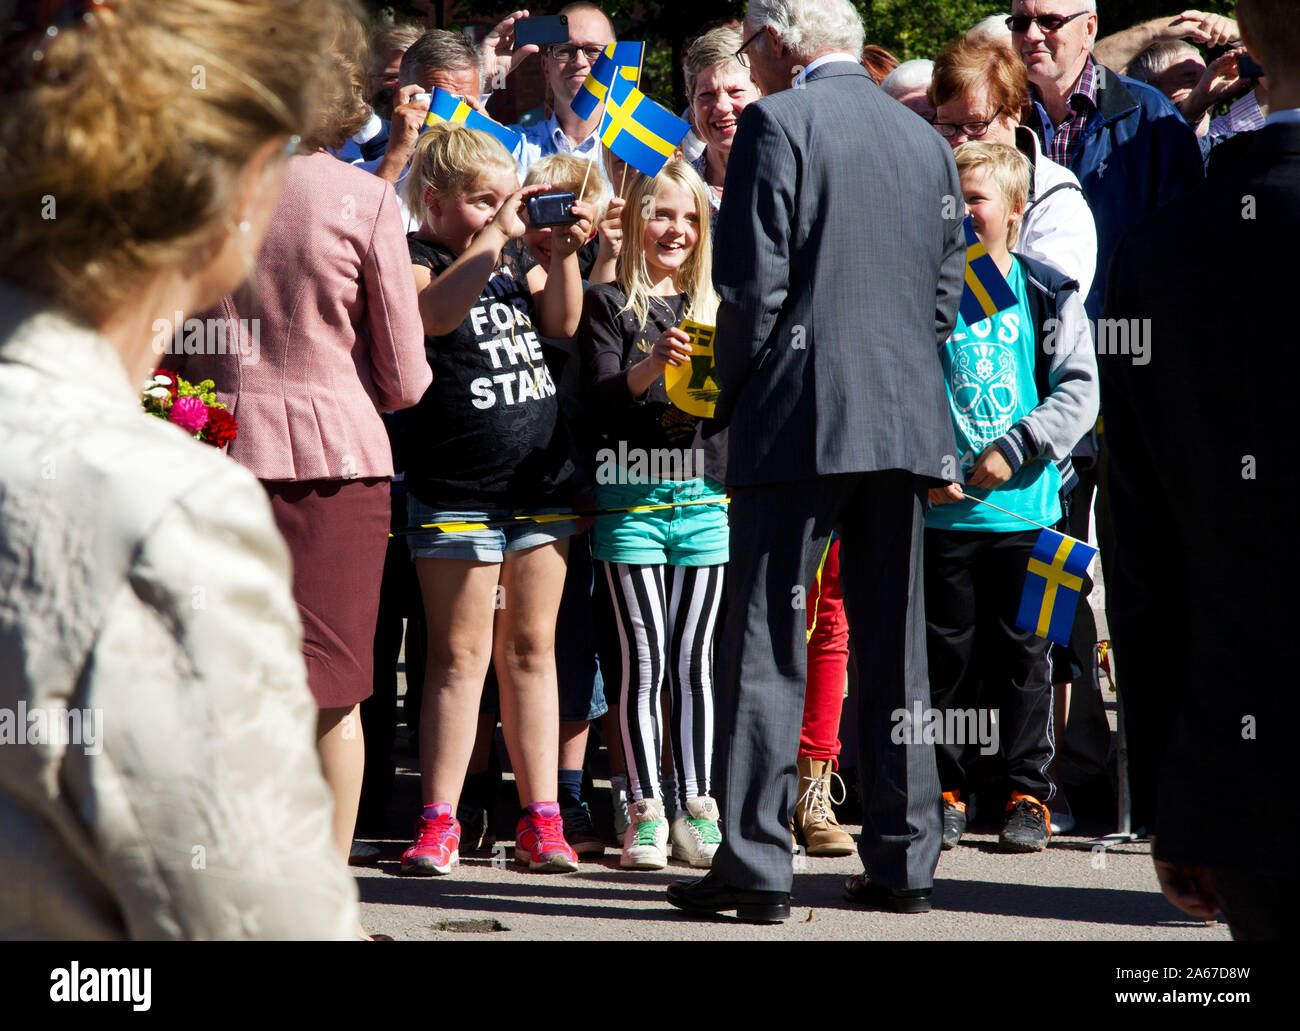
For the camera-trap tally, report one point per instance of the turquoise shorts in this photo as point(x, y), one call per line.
point(692, 536)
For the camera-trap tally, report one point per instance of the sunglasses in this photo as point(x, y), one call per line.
point(1019, 23)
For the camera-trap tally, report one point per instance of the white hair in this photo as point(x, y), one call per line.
point(810, 26)
point(908, 76)
point(1088, 5)
point(993, 27)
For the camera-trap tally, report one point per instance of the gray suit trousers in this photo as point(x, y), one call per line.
point(778, 535)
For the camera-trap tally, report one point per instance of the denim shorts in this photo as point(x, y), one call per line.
point(488, 545)
point(696, 535)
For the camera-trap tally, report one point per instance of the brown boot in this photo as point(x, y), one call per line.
point(821, 832)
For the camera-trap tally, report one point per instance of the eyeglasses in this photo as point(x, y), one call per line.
point(971, 130)
point(740, 54)
point(1019, 23)
point(567, 52)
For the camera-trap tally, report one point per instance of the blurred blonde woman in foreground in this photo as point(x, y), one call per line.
point(169, 786)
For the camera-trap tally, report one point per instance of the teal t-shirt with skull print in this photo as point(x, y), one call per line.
point(989, 371)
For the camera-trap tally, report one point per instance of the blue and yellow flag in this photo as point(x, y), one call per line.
point(618, 59)
point(986, 291)
point(446, 107)
point(638, 130)
point(1057, 567)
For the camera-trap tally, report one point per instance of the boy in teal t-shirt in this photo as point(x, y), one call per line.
point(1011, 423)
point(989, 369)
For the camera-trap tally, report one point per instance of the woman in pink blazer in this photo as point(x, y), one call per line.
point(323, 337)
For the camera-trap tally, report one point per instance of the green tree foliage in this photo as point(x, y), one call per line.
point(919, 28)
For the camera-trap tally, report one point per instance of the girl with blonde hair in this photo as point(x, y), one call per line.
point(664, 568)
point(484, 443)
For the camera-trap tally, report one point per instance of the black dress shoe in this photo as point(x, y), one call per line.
point(861, 888)
point(708, 896)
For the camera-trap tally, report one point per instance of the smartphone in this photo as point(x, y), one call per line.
point(1248, 67)
point(543, 31)
point(551, 209)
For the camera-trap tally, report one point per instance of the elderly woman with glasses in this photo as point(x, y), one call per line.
point(978, 91)
point(719, 86)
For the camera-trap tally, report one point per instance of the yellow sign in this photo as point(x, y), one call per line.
point(693, 387)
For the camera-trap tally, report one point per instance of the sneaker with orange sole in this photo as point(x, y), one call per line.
point(1028, 826)
point(954, 820)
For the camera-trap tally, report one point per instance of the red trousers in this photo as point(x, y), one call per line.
point(828, 663)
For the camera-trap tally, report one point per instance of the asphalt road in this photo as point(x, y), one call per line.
point(1075, 890)
point(1071, 891)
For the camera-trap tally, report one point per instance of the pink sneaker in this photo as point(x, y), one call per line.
point(539, 840)
point(437, 846)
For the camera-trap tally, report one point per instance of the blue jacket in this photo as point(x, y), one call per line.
point(1136, 155)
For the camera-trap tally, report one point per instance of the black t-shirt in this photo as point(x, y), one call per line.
point(609, 344)
point(488, 431)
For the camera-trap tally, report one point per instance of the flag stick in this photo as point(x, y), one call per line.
point(1013, 515)
point(622, 180)
point(583, 188)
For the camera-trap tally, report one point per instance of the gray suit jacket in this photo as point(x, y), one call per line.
point(839, 277)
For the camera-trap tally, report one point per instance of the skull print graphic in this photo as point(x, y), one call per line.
point(984, 390)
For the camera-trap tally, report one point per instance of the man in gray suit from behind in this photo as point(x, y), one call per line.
point(840, 260)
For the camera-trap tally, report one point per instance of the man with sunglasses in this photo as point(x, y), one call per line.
point(1127, 144)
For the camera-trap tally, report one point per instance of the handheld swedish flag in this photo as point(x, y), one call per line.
point(1057, 566)
point(638, 130)
point(445, 107)
point(618, 59)
point(986, 291)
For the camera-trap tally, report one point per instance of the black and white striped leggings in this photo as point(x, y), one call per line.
point(664, 622)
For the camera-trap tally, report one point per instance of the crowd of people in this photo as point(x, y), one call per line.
point(574, 553)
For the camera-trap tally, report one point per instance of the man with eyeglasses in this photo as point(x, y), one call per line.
point(839, 275)
point(1127, 144)
point(565, 66)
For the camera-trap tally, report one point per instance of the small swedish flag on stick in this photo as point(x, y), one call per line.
point(622, 59)
point(639, 131)
point(986, 293)
point(446, 107)
point(1053, 583)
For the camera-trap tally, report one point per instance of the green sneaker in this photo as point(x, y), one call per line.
point(645, 843)
point(695, 833)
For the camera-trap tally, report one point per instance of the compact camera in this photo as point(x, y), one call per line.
point(551, 209)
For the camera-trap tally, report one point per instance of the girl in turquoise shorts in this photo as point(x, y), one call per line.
point(664, 568)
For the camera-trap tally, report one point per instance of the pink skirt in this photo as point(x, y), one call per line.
point(337, 533)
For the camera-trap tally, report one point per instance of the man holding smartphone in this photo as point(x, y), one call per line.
point(565, 66)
